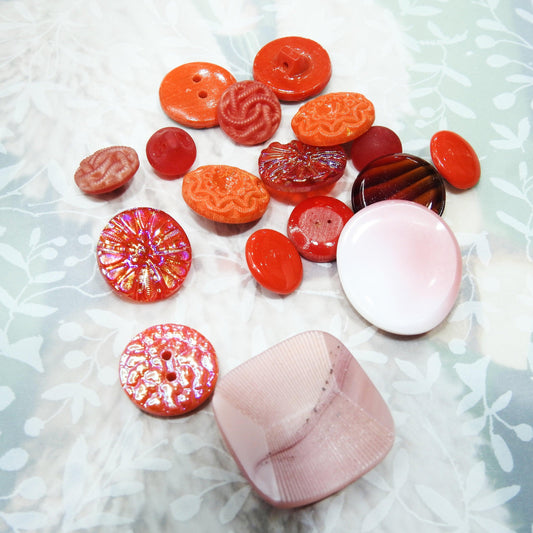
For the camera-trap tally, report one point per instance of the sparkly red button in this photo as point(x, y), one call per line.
point(295, 171)
point(455, 159)
point(249, 112)
point(295, 68)
point(399, 177)
point(171, 152)
point(315, 225)
point(144, 254)
point(168, 370)
point(274, 261)
point(189, 94)
point(376, 142)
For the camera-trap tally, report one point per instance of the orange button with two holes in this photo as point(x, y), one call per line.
point(295, 68)
point(189, 94)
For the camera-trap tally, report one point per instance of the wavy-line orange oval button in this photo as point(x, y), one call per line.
point(333, 118)
point(189, 94)
point(223, 193)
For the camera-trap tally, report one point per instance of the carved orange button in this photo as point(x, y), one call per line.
point(189, 94)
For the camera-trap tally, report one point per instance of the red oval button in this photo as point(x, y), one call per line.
point(144, 254)
point(168, 370)
point(455, 159)
point(274, 261)
point(171, 152)
point(249, 112)
point(315, 225)
point(295, 68)
point(189, 94)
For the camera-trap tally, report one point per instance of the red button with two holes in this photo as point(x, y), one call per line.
point(295, 68)
point(189, 94)
point(315, 225)
point(455, 159)
point(171, 152)
point(274, 261)
point(168, 370)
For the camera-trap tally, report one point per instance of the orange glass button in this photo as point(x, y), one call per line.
point(225, 194)
point(333, 118)
point(249, 112)
point(295, 68)
point(107, 169)
point(274, 261)
point(168, 370)
point(189, 94)
point(455, 159)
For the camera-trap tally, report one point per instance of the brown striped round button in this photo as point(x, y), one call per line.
point(399, 177)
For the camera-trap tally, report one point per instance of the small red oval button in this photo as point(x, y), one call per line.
point(315, 225)
point(295, 68)
point(376, 142)
point(455, 159)
point(168, 370)
point(171, 152)
point(189, 94)
point(249, 112)
point(274, 261)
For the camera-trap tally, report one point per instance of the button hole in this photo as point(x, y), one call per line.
point(166, 355)
point(197, 78)
point(202, 94)
point(171, 376)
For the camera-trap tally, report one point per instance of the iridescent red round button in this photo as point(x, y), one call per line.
point(274, 261)
point(144, 254)
point(168, 370)
point(295, 68)
point(400, 266)
point(315, 225)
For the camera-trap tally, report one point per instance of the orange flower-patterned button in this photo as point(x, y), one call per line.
point(189, 94)
point(225, 194)
point(333, 118)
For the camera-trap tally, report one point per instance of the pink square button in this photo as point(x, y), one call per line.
point(302, 419)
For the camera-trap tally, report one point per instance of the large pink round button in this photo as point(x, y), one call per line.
point(400, 266)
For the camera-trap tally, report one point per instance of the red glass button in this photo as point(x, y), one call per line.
point(171, 152)
point(376, 142)
point(333, 118)
point(455, 159)
point(295, 171)
point(144, 254)
point(223, 193)
point(168, 370)
point(274, 261)
point(249, 112)
point(107, 169)
point(399, 177)
point(189, 94)
point(315, 225)
point(295, 68)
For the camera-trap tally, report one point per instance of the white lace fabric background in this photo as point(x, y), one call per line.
point(75, 454)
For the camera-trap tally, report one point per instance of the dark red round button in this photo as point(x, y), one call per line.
point(249, 112)
point(295, 171)
point(171, 152)
point(295, 68)
point(274, 261)
point(455, 159)
point(399, 177)
point(375, 142)
point(315, 225)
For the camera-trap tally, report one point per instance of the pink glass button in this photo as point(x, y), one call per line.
point(144, 254)
point(400, 266)
point(168, 370)
point(302, 419)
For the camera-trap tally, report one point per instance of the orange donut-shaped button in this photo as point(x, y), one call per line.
point(189, 94)
point(295, 68)
point(333, 118)
point(225, 194)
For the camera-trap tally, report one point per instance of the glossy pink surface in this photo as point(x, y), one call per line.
point(302, 419)
point(400, 266)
